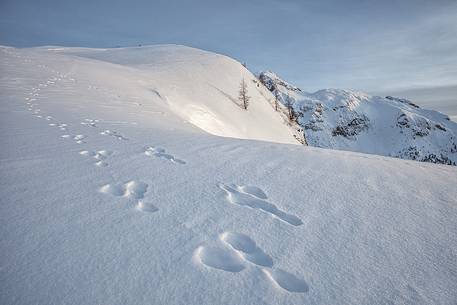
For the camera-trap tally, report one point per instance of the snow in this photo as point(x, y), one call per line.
point(179, 216)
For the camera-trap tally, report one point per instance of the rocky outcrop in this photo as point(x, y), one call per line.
point(355, 121)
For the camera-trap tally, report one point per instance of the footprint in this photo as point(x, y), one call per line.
point(87, 153)
point(254, 198)
point(79, 138)
point(243, 248)
point(113, 134)
point(247, 248)
point(99, 156)
point(286, 280)
point(90, 122)
point(146, 207)
point(219, 259)
point(133, 189)
point(160, 153)
point(61, 126)
point(150, 151)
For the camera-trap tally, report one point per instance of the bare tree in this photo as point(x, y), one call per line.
point(290, 108)
point(243, 94)
point(276, 100)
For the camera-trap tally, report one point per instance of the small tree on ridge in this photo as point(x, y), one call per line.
point(290, 109)
point(243, 94)
point(276, 100)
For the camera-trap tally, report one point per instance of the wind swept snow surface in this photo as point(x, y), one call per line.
point(110, 196)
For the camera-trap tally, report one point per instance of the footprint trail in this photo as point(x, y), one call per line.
point(160, 153)
point(253, 197)
point(108, 132)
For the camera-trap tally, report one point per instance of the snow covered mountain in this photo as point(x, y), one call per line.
point(110, 194)
point(355, 121)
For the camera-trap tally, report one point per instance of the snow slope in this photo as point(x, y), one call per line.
point(109, 197)
point(355, 121)
point(201, 87)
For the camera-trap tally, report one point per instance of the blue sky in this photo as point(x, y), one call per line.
point(374, 46)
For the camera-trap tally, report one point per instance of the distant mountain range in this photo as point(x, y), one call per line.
point(355, 121)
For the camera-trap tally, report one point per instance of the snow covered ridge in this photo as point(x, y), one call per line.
point(199, 86)
point(355, 121)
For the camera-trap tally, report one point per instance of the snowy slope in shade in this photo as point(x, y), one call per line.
point(355, 121)
point(108, 199)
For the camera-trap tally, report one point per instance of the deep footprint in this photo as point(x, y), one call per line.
point(236, 195)
point(133, 189)
point(286, 280)
point(219, 259)
point(247, 248)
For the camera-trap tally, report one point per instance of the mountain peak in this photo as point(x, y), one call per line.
point(272, 81)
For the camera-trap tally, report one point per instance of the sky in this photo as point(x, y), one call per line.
point(400, 46)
